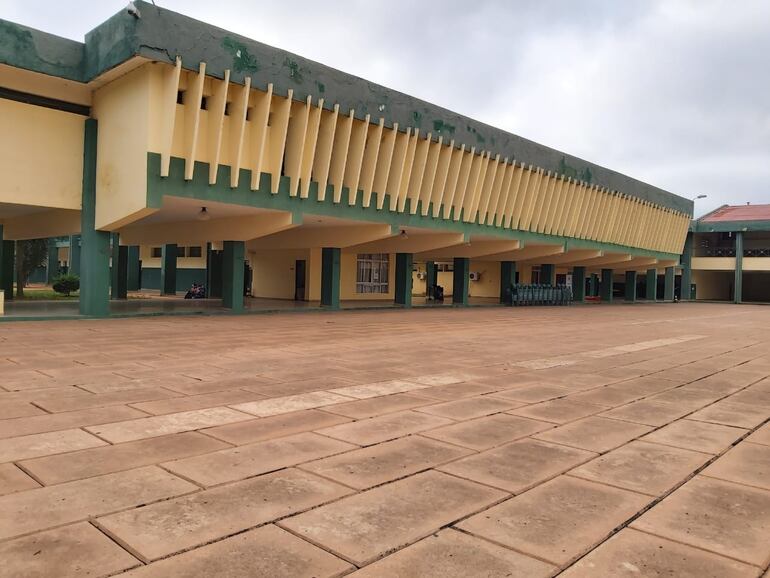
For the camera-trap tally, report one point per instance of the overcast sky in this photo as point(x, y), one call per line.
point(675, 93)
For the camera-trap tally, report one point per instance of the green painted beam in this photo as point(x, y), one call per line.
point(548, 274)
point(605, 287)
point(507, 280)
point(119, 269)
point(168, 258)
point(74, 258)
point(134, 269)
point(651, 289)
point(52, 268)
point(738, 292)
point(330, 277)
point(233, 253)
point(668, 284)
point(686, 261)
point(7, 262)
point(95, 245)
point(198, 188)
point(404, 266)
point(579, 284)
point(461, 281)
point(630, 290)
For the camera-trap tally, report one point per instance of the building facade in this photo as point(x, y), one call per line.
point(204, 155)
point(729, 252)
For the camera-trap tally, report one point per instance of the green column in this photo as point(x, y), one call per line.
point(738, 293)
point(548, 274)
point(687, 268)
point(233, 253)
point(606, 285)
point(431, 277)
point(7, 261)
point(74, 258)
point(593, 285)
point(94, 245)
point(52, 270)
point(404, 279)
point(134, 266)
point(168, 269)
point(668, 284)
point(330, 277)
point(507, 278)
point(461, 280)
point(119, 269)
point(579, 284)
point(213, 272)
point(631, 286)
point(652, 285)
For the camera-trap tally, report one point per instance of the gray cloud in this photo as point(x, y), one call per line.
point(673, 92)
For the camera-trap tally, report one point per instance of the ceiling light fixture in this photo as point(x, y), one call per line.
point(403, 234)
point(203, 215)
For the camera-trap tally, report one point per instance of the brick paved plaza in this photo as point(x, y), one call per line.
point(588, 441)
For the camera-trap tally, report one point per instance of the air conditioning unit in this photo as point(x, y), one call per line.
point(475, 276)
point(421, 275)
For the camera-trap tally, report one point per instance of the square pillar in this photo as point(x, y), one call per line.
point(330, 277)
point(507, 280)
point(738, 293)
point(119, 271)
point(7, 262)
point(547, 274)
point(606, 285)
point(233, 253)
point(431, 277)
point(134, 272)
point(631, 286)
point(52, 270)
point(461, 280)
point(651, 289)
point(95, 245)
point(74, 258)
point(668, 284)
point(403, 291)
point(687, 268)
point(213, 272)
point(168, 269)
point(579, 284)
point(593, 285)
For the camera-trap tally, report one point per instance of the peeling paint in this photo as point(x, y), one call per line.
point(295, 71)
point(320, 86)
point(442, 127)
point(584, 174)
point(243, 61)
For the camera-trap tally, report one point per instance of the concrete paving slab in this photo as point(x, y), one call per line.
point(557, 521)
point(643, 467)
point(470, 407)
point(364, 408)
point(45, 444)
point(558, 411)
point(369, 525)
point(595, 434)
point(722, 517)
point(66, 420)
point(747, 463)
point(383, 428)
point(734, 414)
point(161, 529)
point(279, 405)
point(647, 412)
point(452, 554)
point(254, 430)
point(633, 554)
point(266, 551)
point(12, 479)
point(696, 435)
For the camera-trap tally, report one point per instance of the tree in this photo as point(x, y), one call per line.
point(66, 284)
point(30, 255)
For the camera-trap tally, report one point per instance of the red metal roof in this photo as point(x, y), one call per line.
point(738, 213)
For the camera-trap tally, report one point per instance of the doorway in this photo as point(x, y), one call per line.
point(299, 279)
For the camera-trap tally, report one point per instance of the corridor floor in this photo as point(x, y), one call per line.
point(582, 441)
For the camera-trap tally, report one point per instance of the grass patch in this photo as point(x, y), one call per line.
point(45, 295)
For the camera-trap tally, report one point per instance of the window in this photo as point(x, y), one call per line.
point(157, 252)
point(372, 273)
point(194, 252)
point(180, 251)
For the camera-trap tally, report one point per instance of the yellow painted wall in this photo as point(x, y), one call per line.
point(489, 283)
point(314, 274)
point(274, 273)
point(713, 263)
point(756, 263)
point(712, 285)
point(41, 156)
point(145, 252)
point(122, 108)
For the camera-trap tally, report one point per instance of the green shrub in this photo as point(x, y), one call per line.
point(66, 284)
